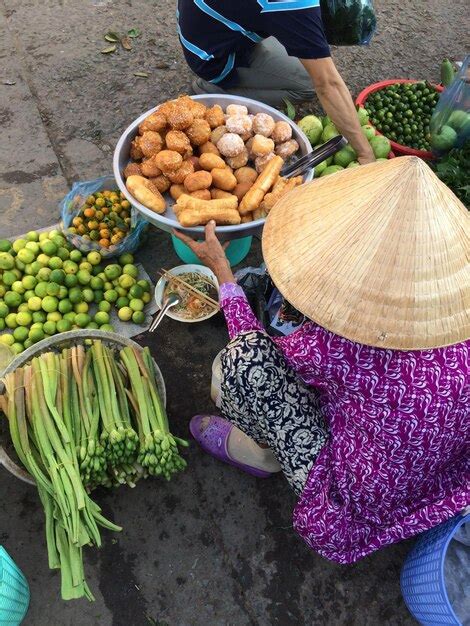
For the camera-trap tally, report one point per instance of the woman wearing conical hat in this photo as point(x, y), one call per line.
point(366, 407)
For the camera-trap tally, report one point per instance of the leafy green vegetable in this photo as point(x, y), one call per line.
point(453, 170)
point(290, 109)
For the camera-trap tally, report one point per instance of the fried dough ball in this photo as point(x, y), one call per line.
point(168, 160)
point(132, 169)
point(176, 191)
point(246, 175)
point(249, 148)
point(223, 179)
point(180, 117)
point(241, 189)
point(149, 168)
point(238, 161)
point(215, 116)
point(217, 133)
point(247, 135)
point(282, 132)
point(262, 145)
point(136, 151)
point(178, 141)
point(151, 143)
point(195, 161)
point(263, 124)
point(239, 124)
point(178, 176)
point(198, 109)
point(262, 161)
point(287, 149)
point(155, 121)
point(236, 109)
point(161, 183)
point(209, 147)
point(208, 161)
point(198, 180)
point(230, 144)
point(202, 194)
point(219, 194)
point(199, 132)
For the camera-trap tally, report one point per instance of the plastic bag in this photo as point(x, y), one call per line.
point(450, 122)
point(71, 205)
point(348, 22)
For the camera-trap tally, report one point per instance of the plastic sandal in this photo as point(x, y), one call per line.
point(213, 440)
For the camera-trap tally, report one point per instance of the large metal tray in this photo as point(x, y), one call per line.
point(168, 221)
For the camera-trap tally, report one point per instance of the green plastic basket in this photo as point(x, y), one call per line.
point(14, 591)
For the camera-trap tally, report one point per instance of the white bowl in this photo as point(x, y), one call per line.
point(184, 269)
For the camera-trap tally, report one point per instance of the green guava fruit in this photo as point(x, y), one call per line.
point(331, 169)
point(312, 127)
point(380, 146)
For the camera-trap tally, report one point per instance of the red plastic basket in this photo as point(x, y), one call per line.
point(397, 148)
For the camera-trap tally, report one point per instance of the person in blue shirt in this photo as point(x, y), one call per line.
point(267, 50)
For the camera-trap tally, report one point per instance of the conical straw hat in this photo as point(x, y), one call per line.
point(378, 254)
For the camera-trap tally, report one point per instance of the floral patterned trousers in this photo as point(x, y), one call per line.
point(263, 396)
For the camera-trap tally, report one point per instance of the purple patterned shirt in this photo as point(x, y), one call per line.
point(397, 461)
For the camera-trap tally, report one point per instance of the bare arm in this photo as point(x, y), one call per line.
point(336, 100)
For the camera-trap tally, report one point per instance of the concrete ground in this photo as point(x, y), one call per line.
point(214, 546)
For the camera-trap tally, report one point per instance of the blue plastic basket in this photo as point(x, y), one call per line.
point(237, 250)
point(14, 591)
point(422, 577)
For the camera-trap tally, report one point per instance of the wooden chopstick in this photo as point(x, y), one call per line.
point(182, 283)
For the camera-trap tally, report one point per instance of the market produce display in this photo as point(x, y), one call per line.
point(321, 130)
point(105, 217)
point(209, 157)
point(402, 112)
point(83, 417)
point(454, 170)
point(49, 287)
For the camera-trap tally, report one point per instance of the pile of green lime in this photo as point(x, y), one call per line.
point(402, 112)
point(320, 130)
point(49, 287)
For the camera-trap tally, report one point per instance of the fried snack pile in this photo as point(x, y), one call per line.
point(216, 165)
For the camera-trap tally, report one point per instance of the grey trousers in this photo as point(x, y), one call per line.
point(271, 77)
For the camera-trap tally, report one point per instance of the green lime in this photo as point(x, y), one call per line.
point(36, 334)
point(136, 291)
point(53, 289)
point(17, 348)
point(101, 318)
point(23, 307)
point(54, 316)
point(104, 305)
point(50, 304)
point(97, 270)
point(107, 328)
point(12, 299)
point(71, 280)
point(27, 269)
point(63, 326)
point(122, 302)
point(122, 293)
point(18, 287)
point(28, 294)
point(125, 313)
point(43, 236)
point(93, 325)
point(50, 328)
point(96, 283)
point(81, 307)
point(82, 319)
point(34, 247)
point(84, 277)
point(131, 270)
point(10, 320)
point(146, 298)
point(44, 274)
point(63, 292)
point(112, 271)
point(24, 318)
point(126, 281)
point(39, 317)
point(63, 254)
point(43, 259)
point(59, 239)
point(29, 282)
point(144, 284)
point(107, 286)
point(21, 333)
point(5, 245)
point(138, 317)
point(136, 304)
point(35, 267)
point(76, 256)
point(71, 315)
point(41, 289)
point(7, 261)
point(75, 295)
point(126, 259)
point(94, 258)
point(19, 244)
point(58, 276)
point(27, 343)
point(111, 295)
point(48, 247)
point(65, 306)
point(98, 295)
point(8, 278)
point(56, 263)
point(7, 339)
point(4, 310)
point(26, 256)
point(70, 267)
point(88, 294)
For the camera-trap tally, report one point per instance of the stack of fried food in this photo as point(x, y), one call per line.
point(216, 165)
